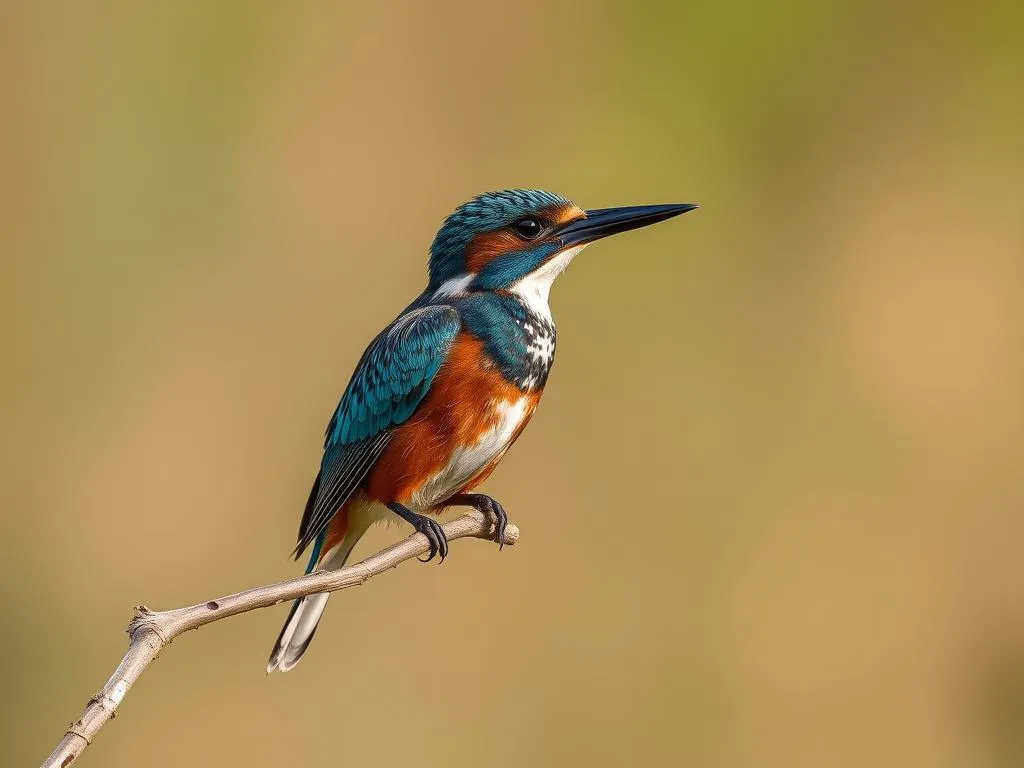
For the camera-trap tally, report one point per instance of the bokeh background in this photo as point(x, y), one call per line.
point(772, 502)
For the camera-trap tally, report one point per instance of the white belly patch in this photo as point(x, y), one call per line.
point(468, 461)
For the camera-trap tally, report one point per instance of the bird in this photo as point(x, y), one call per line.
point(442, 393)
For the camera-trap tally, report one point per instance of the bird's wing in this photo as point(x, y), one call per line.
point(389, 383)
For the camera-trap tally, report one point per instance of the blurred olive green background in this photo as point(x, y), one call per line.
point(771, 505)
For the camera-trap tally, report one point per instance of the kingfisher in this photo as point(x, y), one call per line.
point(444, 391)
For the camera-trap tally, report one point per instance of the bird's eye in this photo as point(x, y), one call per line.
point(528, 227)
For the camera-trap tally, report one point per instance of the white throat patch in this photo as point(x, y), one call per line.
point(534, 289)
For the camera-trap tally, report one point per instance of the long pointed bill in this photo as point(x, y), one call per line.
point(602, 222)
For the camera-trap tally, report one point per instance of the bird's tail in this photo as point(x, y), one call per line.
point(299, 628)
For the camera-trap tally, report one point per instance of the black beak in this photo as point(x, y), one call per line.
point(602, 222)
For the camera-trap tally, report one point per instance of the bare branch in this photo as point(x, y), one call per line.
point(150, 631)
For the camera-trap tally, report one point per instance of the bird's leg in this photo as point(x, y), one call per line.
point(427, 526)
point(489, 507)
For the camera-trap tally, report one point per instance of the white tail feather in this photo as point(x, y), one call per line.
point(307, 611)
point(297, 632)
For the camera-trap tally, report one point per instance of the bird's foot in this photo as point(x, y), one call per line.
point(490, 507)
point(429, 527)
point(435, 535)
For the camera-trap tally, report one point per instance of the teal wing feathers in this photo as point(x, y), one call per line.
point(391, 380)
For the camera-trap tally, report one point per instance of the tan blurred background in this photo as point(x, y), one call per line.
point(772, 503)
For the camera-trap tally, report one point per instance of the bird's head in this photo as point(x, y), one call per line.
point(499, 239)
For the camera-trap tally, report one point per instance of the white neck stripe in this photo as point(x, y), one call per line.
point(534, 289)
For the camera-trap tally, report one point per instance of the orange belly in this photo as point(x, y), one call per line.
point(458, 434)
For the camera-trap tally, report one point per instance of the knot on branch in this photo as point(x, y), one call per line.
point(146, 620)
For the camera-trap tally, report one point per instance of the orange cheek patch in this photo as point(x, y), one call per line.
point(483, 249)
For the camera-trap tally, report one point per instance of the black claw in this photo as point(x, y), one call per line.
point(438, 541)
point(489, 507)
point(435, 535)
point(443, 541)
point(428, 527)
point(500, 522)
point(432, 552)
